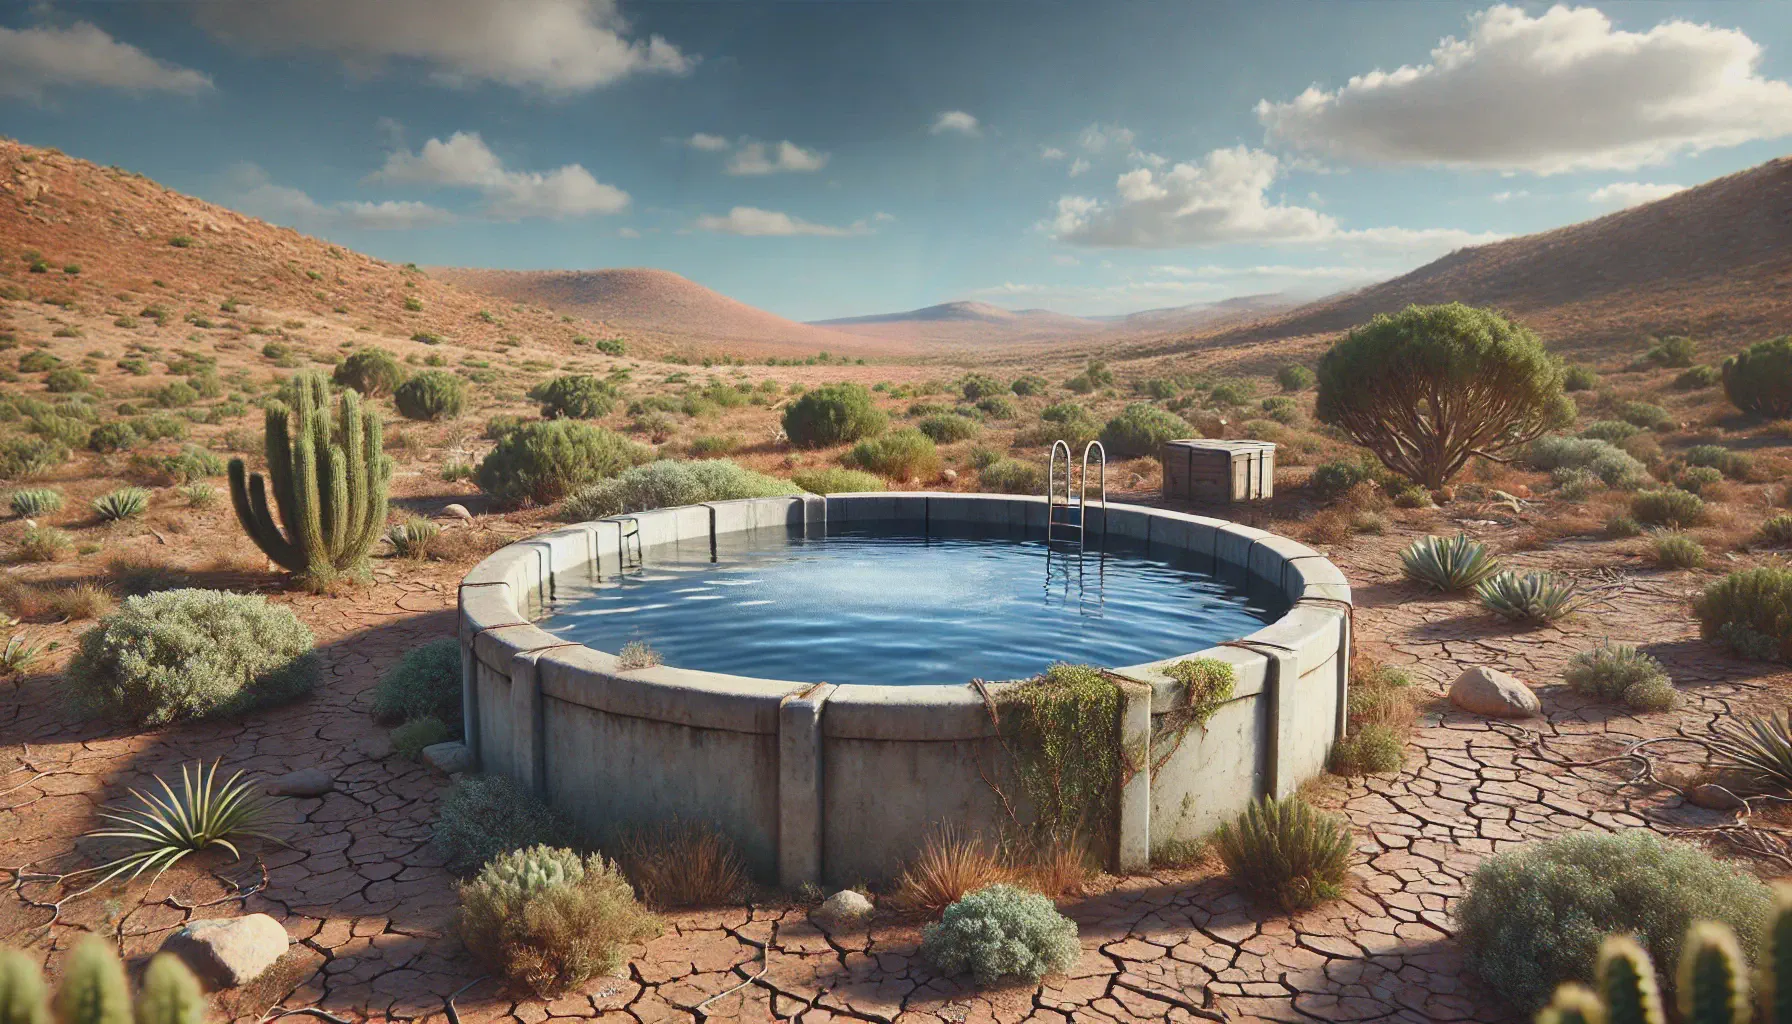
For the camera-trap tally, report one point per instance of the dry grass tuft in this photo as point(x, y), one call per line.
point(949, 864)
point(681, 864)
point(1059, 867)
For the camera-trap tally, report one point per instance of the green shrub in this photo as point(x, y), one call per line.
point(669, 483)
point(1776, 530)
point(1232, 392)
point(1372, 749)
point(947, 429)
point(31, 502)
point(37, 361)
point(1758, 380)
point(115, 436)
point(410, 737)
point(431, 395)
point(121, 504)
point(834, 480)
point(979, 385)
point(1282, 409)
point(1499, 388)
point(1295, 377)
point(1332, 480)
point(998, 407)
point(191, 654)
point(42, 544)
point(833, 414)
point(1579, 378)
point(1670, 507)
point(1619, 525)
point(1075, 432)
point(898, 455)
point(190, 464)
point(1678, 550)
point(929, 409)
point(1534, 916)
point(1750, 612)
point(1735, 465)
point(1141, 429)
point(1697, 377)
point(483, 816)
point(64, 380)
point(1449, 565)
point(710, 445)
point(546, 920)
point(1286, 852)
point(1030, 384)
point(1646, 415)
point(1698, 479)
point(1621, 674)
point(544, 461)
point(1672, 352)
point(1610, 464)
point(578, 396)
point(1158, 388)
point(371, 371)
point(1609, 431)
point(66, 431)
point(425, 682)
point(175, 395)
point(1011, 476)
point(1064, 412)
point(1001, 931)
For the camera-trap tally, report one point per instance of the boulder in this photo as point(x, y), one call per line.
point(950, 476)
point(1714, 798)
point(376, 746)
point(450, 758)
point(226, 952)
point(844, 909)
point(1488, 691)
point(304, 782)
point(457, 511)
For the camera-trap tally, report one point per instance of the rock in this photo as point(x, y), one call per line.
point(450, 758)
point(304, 782)
point(1488, 691)
point(844, 909)
point(1714, 798)
point(458, 511)
point(229, 951)
point(950, 476)
point(376, 745)
point(1522, 490)
point(1443, 496)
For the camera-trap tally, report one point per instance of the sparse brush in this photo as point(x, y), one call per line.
point(1758, 746)
point(637, 654)
point(1735, 465)
point(1287, 852)
point(1679, 550)
point(409, 739)
point(948, 865)
point(199, 495)
point(1620, 525)
point(683, 864)
point(1001, 931)
point(1670, 507)
point(32, 502)
point(1536, 597)
point(1059, 866)
point(425, 682)
point(167, 827)
point(1700, 480)
point(43, 544)
point(81, 601)
point(1371, 750)
point(1621, 674)
point(1750, 612)
point(411, 538)
point(483, 816)
point(454, 471)
point(1452, 564)
point(18, 655)
point(1777, 530)
point(122, 504)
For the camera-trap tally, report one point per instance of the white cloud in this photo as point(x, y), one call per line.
point(706, 142)
point(465, 161)
point(1151, 160)
point(248, 188)
point(1064, 259)
point(1558, 92)
point(627, 233)
point(33, 60)
point(1078, 166)
point(754, 222)
point(1050, 153)
point(1278, 270)
point(1508, 196)
point(555, 46)
point(768, 158)
point(1098, 137)
point(956, 121)
point(1632, 193)
point(1224, 198)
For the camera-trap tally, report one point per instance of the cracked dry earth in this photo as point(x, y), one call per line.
point(370, 908)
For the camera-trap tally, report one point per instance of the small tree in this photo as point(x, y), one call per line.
point(373, 372)
point(1430, 387)
point(1758, 380)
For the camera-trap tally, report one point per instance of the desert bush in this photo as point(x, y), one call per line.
point(1609, 431)
point(1370, 749)
point(410, 737)
point(1733, 464)
point(1294, 377)
point(1672, 352)
point(1095, 375)
point(1332, 480)
point(499, 427)
point(1286, 852)
point(544, 461)
point(1141, 430)
point(191, 463)
point(115, 436)
point(1608, 463)
point(1698, 480)
point(683, 864)
point(1677, 550)
point(1758, 380)
point(191, 654)
point(929, 409)
point(1621, 674)
point(1076, 432)
point(709, 446)
point(1499, 389)
point(1232, 392)
point(1452, 564)
point(412, 538)
point(1011, 476)
point(1669, 507)
point(998, 932)
point(31, 502)
point(485, 816)
point(1697, 377)
point(121, 504)
point(833, 414)
point(835, 480)
point(949, 428)
point(1282, 409)
point(1532, 597)
point(22, 457)
point(576, 396)
point(1575, 484)
point(431, 395)
point(37, 361)
point(1158, 388)
point(425, 682)
point(1647, 415)
point(1030, 384)
point(979, 385)
point(898, 455)
point(1579, 378)
point(546, 919)
point(998, 407)
point(1777, 530)
point(1534, 916)
point(64, 431)
point(42, 544)
point(65, 380)
point(1750, 612)
point(371, 371)
point(669, 483)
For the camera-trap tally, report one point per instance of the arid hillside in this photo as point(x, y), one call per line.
point(1712, 262)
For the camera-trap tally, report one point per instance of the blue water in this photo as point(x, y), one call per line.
point(862, 608)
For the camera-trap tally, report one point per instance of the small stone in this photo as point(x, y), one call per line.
point(376, 745)
point(844, 909)
point(950, 476)
point(226, 952)
point(458, 511)
point(450, 758)
point(1488, 691)
point(304, 782)
point(1443, 496)
point(1522, 490)
point(1714, 798)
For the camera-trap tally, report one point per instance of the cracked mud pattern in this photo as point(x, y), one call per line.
point(370, 907)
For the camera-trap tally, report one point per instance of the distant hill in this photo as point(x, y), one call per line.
point(662, 305)
point(980, 323)
point(1712, 262)
point(1243, 308)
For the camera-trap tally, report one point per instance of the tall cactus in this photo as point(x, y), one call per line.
point(23, 998)
point(1712, 983)
point(170, 994)
point(329, 481)
point(94, 990)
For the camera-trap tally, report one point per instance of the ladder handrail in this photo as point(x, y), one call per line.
point(1101, 453)
point(1080, 501)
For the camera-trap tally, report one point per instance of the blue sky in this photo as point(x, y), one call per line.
point(832, 159)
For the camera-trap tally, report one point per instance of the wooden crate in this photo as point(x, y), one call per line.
point(1219, 471)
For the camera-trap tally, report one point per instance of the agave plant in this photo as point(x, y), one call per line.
point(167, 827)
point(1287, 851)
point(411, 538)
point(1531, 597)
point(1760, 747)
point(1456, 563)
point(200, 494)
point(31, 502)
point(18, 654)
point(124, 503)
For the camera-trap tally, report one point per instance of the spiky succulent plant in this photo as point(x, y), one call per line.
point(1536, 597)
point(521, 873)
point(1448, 564)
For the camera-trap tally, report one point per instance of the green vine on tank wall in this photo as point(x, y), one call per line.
point(1206, 685)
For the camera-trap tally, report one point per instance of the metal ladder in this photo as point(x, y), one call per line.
point(1075, 517)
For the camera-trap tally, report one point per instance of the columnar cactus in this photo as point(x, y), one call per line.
point(94, 990)
point(1712, 984)
point(329, 482)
